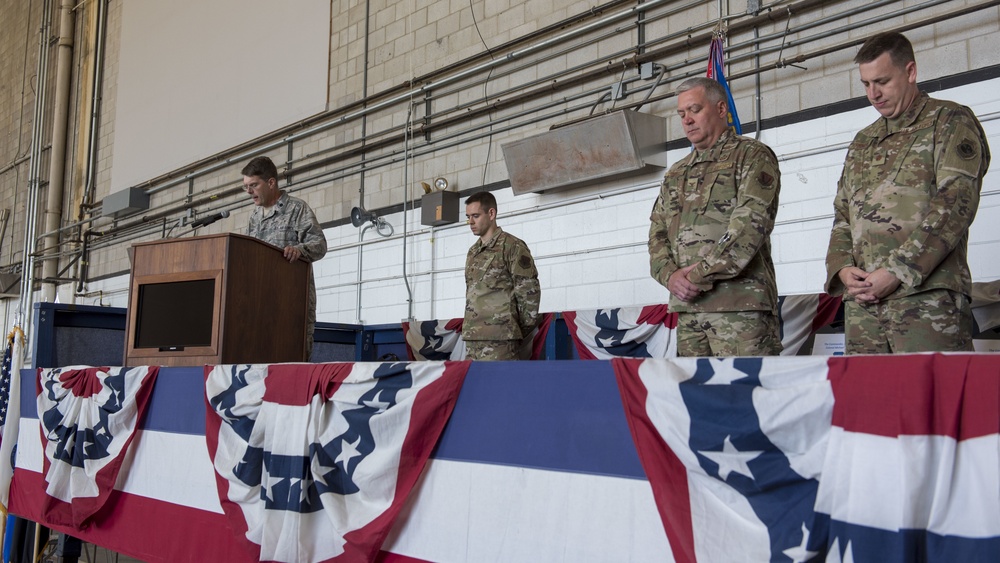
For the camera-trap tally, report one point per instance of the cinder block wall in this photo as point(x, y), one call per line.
point(590, 244)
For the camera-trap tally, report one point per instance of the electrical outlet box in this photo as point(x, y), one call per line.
point(618, 91)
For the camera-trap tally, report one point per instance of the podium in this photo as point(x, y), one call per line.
point(215, 299)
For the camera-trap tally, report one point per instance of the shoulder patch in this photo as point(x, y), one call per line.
point(967, 149)
point(765, 179)
point(524, 261)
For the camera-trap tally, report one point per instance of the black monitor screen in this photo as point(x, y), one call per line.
point(175, 314)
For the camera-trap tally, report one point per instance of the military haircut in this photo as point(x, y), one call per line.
point(713, 90)
point(485, 200)
point(896, 44)
point(262, 167)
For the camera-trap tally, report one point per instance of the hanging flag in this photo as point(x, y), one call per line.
point(716, 65)
point(10, 409)
point(315, 461)
point(88, 418)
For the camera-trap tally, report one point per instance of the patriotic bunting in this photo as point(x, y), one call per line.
point(889, 459)
point(442, 340)
point(314, 462)
point(88, 418)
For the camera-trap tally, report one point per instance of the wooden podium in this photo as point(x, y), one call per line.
point(215, 299)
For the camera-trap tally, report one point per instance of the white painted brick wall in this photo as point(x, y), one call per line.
point(592, 276)
point(568, 240)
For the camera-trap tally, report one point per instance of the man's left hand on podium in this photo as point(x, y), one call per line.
point(292, 254)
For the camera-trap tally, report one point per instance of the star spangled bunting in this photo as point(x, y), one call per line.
point(650, 331)
point(911, 471)
point(440, 340)
point(802, 459)
point(719, 443)
point(434, 340)
point(644, 332)
point(88, 418)
point(313, 462)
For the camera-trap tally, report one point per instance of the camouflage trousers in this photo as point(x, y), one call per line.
point(939, 320)
point(746, 333)
point(496, 350)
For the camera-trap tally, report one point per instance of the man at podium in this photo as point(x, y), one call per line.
point(286, 222)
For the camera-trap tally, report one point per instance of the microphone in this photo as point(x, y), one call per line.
point(209, 219)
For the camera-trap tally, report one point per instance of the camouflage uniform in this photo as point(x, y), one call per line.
point(907, 195)
point(290, 222)
point(501, 297)
point(716, 208)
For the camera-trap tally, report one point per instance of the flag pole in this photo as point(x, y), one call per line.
point(8, 536)
point(10, 378)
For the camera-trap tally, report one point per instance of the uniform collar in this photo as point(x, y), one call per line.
point(493, 239)
point(278, 207)
point(908, 117)
point(714, 152)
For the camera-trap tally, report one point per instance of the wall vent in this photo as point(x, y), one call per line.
point(607, 147)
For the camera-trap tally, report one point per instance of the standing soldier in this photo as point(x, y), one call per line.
point(907, 195)
point(709, 237)
point(502, 291)
point(286, 222)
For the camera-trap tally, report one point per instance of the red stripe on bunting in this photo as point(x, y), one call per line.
point(956, 395)
point(297, 384)
point(669, 482)
point(135, 525)
point(581, 349)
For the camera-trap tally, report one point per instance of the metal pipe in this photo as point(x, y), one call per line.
point(60, 122)
point(547, 90)
point(843, 29)
point(172, 179)
point(390, 159)
point(781, 63)
point(361, 239)
point(364, 88)
point(605, 59)
point(408, 161)
point(31, 205)
point(95, 103)
point(448, 80)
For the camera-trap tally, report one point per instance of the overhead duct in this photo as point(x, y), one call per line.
point(125, 202)
point(607, 147)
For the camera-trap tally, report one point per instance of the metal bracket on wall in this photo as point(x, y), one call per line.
point(618, 91)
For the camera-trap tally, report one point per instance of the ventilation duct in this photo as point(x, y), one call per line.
point(608, 147)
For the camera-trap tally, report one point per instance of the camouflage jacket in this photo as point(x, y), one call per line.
point(502, 291)
point(290, 222)
point(716, 209)
point(907, 195)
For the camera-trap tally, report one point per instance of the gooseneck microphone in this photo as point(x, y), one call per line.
point(209, 219)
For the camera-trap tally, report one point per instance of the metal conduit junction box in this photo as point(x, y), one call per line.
point(607, 147)
point(125, 202)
